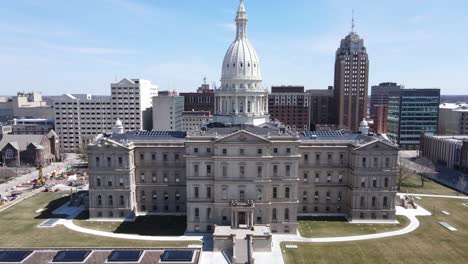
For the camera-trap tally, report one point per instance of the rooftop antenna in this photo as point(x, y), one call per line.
point(204, 80)
point(352, 23)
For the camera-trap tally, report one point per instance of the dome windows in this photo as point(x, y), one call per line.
point(242, 64)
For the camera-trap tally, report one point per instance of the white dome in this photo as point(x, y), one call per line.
point(118, 123)
point(241, 62)
point(364, 123)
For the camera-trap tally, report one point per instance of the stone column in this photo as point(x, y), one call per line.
point(237, 104)
point(232, 218)
point(245, 104)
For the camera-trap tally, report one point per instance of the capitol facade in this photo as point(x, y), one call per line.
point(243, 171)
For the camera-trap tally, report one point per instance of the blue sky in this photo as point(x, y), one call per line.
point(81, 46)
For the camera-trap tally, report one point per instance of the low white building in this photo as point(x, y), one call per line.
point(453, 119)
point(167, 113)
point(194, 120)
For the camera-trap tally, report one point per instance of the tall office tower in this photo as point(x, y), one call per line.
point(351, 81)
point(130, 99)
point(290, 106)
point(202, 100)
point(379, 104)
point(79, 118)
point(167, 113)
point(379, 95)
point(322, 108)
point(411, 113)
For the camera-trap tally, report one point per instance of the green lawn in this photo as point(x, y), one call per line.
point(430, 243)
point(413, 185)
point(319, 228)
point(18, 228)
point(144, 225)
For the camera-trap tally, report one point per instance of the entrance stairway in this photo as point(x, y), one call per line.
point(242, 251)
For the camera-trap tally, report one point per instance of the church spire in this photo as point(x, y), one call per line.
point(241, 21)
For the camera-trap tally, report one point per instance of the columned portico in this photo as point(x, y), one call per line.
point(242, 214)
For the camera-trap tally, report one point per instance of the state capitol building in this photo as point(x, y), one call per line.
point(243, 171)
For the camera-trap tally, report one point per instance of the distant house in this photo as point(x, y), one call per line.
point(31, 150)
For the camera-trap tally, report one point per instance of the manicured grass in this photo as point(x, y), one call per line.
point(413, 185)
point(18, 228)
point(318, 228)
point(430, 243)
point(143, 225)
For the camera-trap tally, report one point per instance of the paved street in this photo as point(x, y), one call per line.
point(7, 186)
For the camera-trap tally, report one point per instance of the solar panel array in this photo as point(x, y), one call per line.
point(332, 133)
point(178, 134)
point(177, 256)
point(125, 256)
point(71, 256)
point(13, 256)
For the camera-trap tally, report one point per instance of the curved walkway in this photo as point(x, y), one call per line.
point(68, 223)
point(462, 197)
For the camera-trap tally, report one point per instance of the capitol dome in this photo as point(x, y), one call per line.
point(241, 99)
point(241, 60)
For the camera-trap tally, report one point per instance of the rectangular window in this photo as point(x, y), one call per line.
point(142, 177)
point(386, 182)
point(341, 158)
point(225, 171)
point(97, 161)
point(288, 151)
point(306, 157)
point(306, 177)
point(142, 156)
point(164, 157)
point(287, 192)
point(376, 162)
point(153, 156)
point(195, 150)
point(288, 170)
point(260, 151)
point(195, 192)
point(195, 169)
point(275, 192)
point(329, 176)
point(275, 150)
point(120, 161)
point(387, 162)
point(317, 177)
point(224, 152)
point(317, 158)
point(364, 162)
point(259, 194)
point(241, 152)
point(275, 170)
point(208, 169)
point(259, 171)
point(208, 192)
point(208, 150)
point(121, 182)
point(241, 171)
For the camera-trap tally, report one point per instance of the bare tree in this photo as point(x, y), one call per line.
point(83, 152)
point(404, 171)
point(462, 182)
point(423, 166)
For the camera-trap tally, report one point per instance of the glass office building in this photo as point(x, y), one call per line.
point(411, 113)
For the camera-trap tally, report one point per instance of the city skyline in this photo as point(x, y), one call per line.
point(84, 54)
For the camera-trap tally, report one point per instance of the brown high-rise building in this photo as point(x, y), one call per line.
point(351, 82)
point(290, 106)
point(202, 100)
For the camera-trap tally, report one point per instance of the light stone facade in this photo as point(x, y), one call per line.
point(243, 175)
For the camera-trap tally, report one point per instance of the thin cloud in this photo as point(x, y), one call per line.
point(88, 50)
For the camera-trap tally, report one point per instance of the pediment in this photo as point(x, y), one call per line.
point(242, 137)
point(377, 145)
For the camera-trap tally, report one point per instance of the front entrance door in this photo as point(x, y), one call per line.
point(242, 218)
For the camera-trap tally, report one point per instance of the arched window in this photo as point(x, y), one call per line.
point(99, 200)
